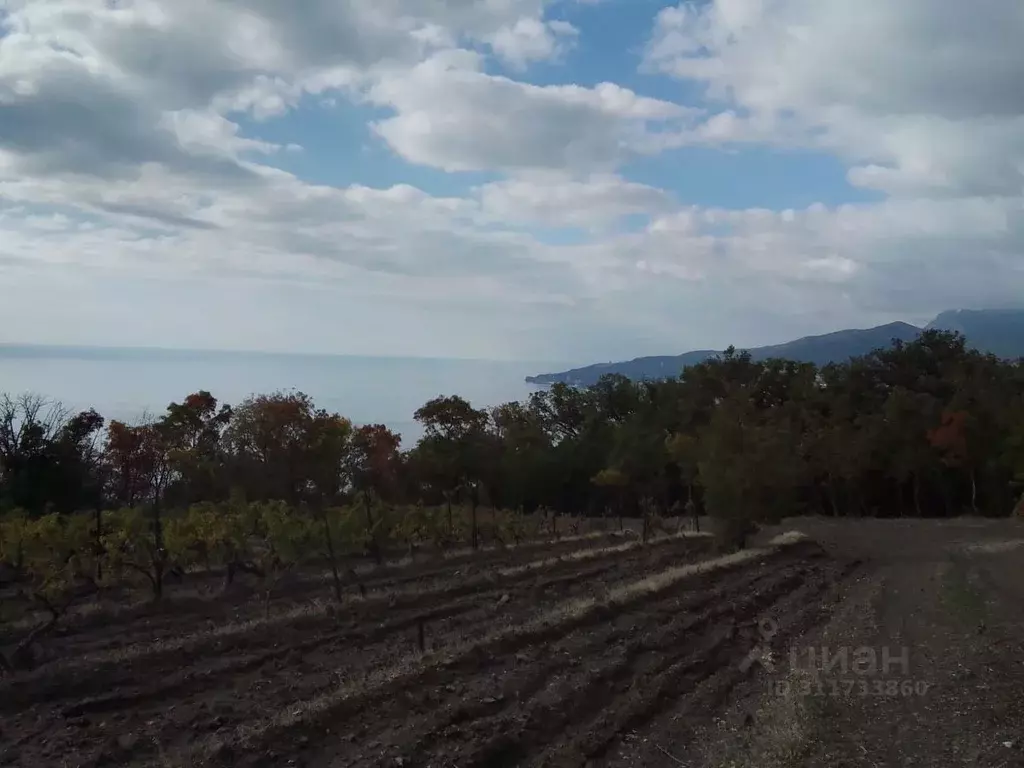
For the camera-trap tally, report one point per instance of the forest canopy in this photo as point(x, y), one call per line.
point(925, 428)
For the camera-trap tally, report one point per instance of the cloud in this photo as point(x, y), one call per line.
point(531, 39)
point(920, 96)
point(451, 115)
point(907, 258)
point(86, 85)
point(100, 90)
point(594, 203)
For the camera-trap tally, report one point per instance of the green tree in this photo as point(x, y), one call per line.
point(752, 467)
point(48, 456)
point(192, 431)
point(450, 454)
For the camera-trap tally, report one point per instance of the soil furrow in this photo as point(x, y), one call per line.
point(605, 667)
point(297, 670)
point(258, 647)
point(679, 685)
point(419, 690)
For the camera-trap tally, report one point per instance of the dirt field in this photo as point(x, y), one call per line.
point(592, 652)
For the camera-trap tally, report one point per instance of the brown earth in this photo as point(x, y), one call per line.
point(159, 683)
point(598, 656)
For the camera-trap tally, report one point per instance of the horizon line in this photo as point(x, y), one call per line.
point(14, 345)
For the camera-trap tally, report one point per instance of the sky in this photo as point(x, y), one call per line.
point(571, 180)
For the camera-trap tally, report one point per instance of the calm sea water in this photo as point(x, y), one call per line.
point(128, 383)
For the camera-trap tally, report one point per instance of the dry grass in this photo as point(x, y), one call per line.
point(663, 580)
point(469, 552)
point(786, 725)
point(590, 554)
point(527, 544)
point(994, 547)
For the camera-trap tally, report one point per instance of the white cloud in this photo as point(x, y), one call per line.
point(920, 96)
point(86, 82)
point(451, 115)
point(201, 132)
point(555, 200)
point(532, 39)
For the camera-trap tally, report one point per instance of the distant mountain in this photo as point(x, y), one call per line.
point(1000, 332)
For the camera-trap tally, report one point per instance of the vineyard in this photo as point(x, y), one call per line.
point(531, 650)
point(58, 561)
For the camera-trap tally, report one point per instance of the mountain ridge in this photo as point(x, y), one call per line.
point(999, 331)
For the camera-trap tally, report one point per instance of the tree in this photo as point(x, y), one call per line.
point(638, 448)
point(562, 409)
point(907, 417)
point(267, 442)
point(192, 431)
point(752, 467)
point(48, 457)
point(616, 481)
point(684, 451)
point(373, 466)
point(451, 451)
point(28, 425)
point(283, 449)
point(135, 469)
point(374, 461)
point(329, 448)
point(950, 440)
point(138, 471)
point(521, 457)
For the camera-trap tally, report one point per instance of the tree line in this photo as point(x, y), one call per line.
point(927, 428)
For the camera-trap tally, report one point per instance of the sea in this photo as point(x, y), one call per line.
point(132, 383)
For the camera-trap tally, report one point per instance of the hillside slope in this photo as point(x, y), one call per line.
point(999, 331)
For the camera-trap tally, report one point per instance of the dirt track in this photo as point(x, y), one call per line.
point(948, 595)
point(595, 659)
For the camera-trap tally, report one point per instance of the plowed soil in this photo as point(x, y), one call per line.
point(580, 655)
